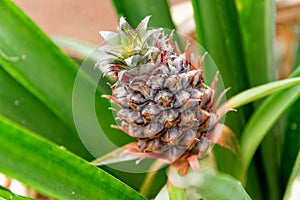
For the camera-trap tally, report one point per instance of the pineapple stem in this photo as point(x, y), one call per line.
point(149, 181)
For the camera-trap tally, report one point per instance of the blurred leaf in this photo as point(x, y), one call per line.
point(257, 23)
point(222, 187)
point(43, 83)
point(252, 95)
point(6, 194)
point(136, 10)
point(52, 170)
point(291, 142)
point(293, 187)
point(255, 185)
point(88, 56)
point(258, 92)
point(22, 107)
point(263, 119)
point(48, 74)
point(218, 32)
point(208, 185)
point(268, 163)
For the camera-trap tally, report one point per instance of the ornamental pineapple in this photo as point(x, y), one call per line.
point(162, 98)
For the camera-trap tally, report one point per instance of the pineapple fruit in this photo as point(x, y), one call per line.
point(162, 98)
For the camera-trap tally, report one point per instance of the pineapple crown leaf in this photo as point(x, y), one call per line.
point(124, 26)
point(132, 46)
point(143, 25)
point(127, 33)
point(137, 34)
point(108, 35)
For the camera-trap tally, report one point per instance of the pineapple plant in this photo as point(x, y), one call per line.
point(161, 96)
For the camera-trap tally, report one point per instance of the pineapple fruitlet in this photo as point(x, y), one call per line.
point(162, 98)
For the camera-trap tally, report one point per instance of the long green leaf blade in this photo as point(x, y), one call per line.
point(48, 74)
point(263, 119)
point(52, 170)
point(136, 10)
point(258, 92)
point(218, 31)
point(291, 138)
point(291, 141)
point(43, 80)
point(257, 22)
point(21, 106)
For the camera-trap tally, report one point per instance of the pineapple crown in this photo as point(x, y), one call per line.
point(128, 48)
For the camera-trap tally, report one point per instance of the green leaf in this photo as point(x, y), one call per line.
point(219, 33)
point(43, 80)
point(208, 185)
point(6, 194)
point(136, 10)
point(37, 72)
point(87, 54)
point(293, 188)
point(257, 23)
point(262, 120)
point(53, 170)
point(222, 187)
point(22, 107)
point(49, 72)
point(291, 136)
point(258, 92)
point(291, 141)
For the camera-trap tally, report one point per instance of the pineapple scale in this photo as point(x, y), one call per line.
point(167, 109)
